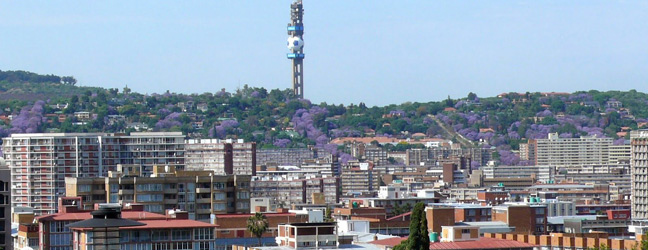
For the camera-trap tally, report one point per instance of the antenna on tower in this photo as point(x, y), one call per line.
point(296, 46)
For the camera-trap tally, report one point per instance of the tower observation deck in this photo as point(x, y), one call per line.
point(296, 47)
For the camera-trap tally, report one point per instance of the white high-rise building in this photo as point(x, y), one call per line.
point(39, 163)
point(639, 169)
point(586, 150)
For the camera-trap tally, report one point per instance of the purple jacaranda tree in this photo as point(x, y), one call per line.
point(171, 120)
point(224, 128)
point(544, 113)
point(345, 158)
point(29, 119)
point(255, 94)
point(282, 143)
point(620, 141)
point(508, 158)
point(474, 165)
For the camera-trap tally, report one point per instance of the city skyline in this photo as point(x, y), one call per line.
point(390, 52)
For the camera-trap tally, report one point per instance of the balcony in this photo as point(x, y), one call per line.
point(203, 190)
point(170, 201)
point(170, 191)
point(203, 211)
point(125, 191)
point(203, 200)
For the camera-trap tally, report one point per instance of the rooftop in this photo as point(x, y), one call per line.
point(481, 243)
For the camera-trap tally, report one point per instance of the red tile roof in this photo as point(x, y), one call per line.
point(172, 223)
point(132, 215)
point(481, 243)
point(248, 215)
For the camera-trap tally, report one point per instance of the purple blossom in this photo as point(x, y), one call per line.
point(508, 158)
point(255, 94)
point(459, 104)
point(163, 112)
point(282, 143)
point(474, 165)
point(29, 119)
point(620, 141)
point(544, 113)
point(224, 128)
point(345, 158)
point(169, 121)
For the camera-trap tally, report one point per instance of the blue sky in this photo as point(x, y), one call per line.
point(378, 52)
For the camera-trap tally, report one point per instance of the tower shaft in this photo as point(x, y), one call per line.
point(295, 44)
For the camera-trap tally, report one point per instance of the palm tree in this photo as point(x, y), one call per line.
point(257, 224)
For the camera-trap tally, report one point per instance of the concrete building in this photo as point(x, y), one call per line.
point(639, 166)
point(361, 179)
point(200, 193)
point(619, 154)
point(221, 156)
point(160, 231)
point(526, 218)
point(232, 230)
point(5, 207)
point(586, 150)
point(540, 173)
point(307, 235)
point(290, 191)
point(290, 156)
point(39, 163)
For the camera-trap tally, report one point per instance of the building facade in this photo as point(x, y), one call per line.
point(221, 156)
point(639, 166)
point(39, 163)
point(5, 207)
point(556, 151)
point(200, 193)
point(289, 191)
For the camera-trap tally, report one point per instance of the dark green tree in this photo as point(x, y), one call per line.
point(418, 238)
point(257, 224)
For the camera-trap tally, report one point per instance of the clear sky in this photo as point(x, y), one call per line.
point(374, 51)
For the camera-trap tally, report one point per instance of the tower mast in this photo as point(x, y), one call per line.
point(296, 47)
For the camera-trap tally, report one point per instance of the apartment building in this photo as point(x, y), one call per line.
point(615, 175)
point(291, 191)
point(200, 193)
point(158, 231)
point(221, 156)
point(639, 166)
point(5, 207)
point(619, 154)
point(540, 173)
point(528, 151)
point(39, 163)
point(360, 179)
point(321, 235)
point(526, 218)
point(586, 150)
point(291, 156)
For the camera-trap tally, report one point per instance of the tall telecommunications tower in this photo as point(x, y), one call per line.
point(296, 46)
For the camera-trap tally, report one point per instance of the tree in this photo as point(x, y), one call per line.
point(418, 238)
point(257, 224)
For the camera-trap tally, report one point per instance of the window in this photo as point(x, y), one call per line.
point(203, 234)
point(465, 231)
point(219, 206)
point(219, 185)
point(85, 188)
point(149, 187)
point(159, 235)
point(219, 196)
point(89, 236)
point(243, 195)
point(181, 234)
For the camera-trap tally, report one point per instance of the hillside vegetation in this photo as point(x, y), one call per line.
point(48, 103)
